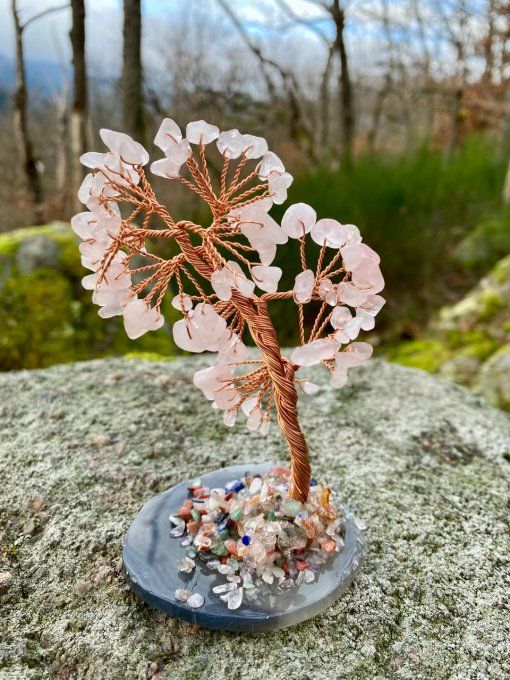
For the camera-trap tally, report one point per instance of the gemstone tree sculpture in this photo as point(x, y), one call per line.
point(222, 275)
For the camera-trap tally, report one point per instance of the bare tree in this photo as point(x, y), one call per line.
point(29, 159)
point(78, 127)
point(345, 85)
point(131, 84)
point(298, 128)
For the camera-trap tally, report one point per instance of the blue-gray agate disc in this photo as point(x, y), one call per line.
point(151, 556)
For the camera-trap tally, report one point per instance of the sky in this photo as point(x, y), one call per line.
point(47, 39)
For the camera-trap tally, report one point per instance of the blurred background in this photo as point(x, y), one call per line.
point(391, 114)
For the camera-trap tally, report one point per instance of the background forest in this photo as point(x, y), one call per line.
point(391, 114)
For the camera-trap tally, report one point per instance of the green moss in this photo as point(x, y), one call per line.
point(46, 317)
point(425, 354)
point(491, 302)
point(37, 320)
point(501, 272)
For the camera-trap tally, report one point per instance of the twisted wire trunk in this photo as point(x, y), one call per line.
point(284, 392)
point(255, 313)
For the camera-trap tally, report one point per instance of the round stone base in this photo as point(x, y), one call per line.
point(151, 556)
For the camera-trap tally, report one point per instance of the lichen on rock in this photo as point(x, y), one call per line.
point(464, 338)
point(421, 461)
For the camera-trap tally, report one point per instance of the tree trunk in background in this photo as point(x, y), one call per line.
point(325, 104)
point(21, 123)
point(78, 126)
point(131, 85)
point(345, 85)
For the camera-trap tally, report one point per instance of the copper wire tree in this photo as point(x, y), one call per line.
point(218, 267)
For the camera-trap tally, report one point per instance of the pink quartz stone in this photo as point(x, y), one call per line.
point(340, 316)
point(212, 379)
point(178, 152)
point(169, 133)
point(140, 318)
point(231, 144)
point(184, 304)
point(254, 147)
point(314, 352)
point(83, 223)
point(278, 183)
point(266, 278)
point(222, 281)
point(327, 292)
point(298, 220)
point(200, 132)
point(350, 295)
point(270, 163)
point(123, 145)
point(330, 233)
point(243, 284)
point(303, 286)
point(368, 277)
point(165, 168)
point(373, 304)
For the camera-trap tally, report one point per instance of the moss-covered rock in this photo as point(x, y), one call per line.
point(45, 315)
point(485, 245)
point(468, 342)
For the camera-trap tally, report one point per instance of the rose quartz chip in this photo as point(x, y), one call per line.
point(277, 184)
point(222, 281)
point(231, 144)
point(270, 163)
point(350, 295)
point(328, 292)
point(230, 346)
point(229, 417)
point(123, 145)
point(169, 133)
point(303, 286)
point(178, 152)
point(298, 220)
point(183, 305)
point(267, 278)
point(201, 331)
point(353, 235)
point(212, 379)
point(83, 223)
point(165, 168)
point(263, 233)
point(140, 318)
point(373, 304)
point(314, 352)
point(368, 277)
point(339, 317)
point(353, 355)
point(254, 420)
point(254, 147)
point(355, 253)
point(243, 284)
point(200, 132)
point(309, 387)
point(330, 233)
point(264, 426)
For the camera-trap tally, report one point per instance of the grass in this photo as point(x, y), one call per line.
point(414, 210)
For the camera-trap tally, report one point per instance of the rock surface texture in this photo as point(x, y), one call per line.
point(424, 463)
